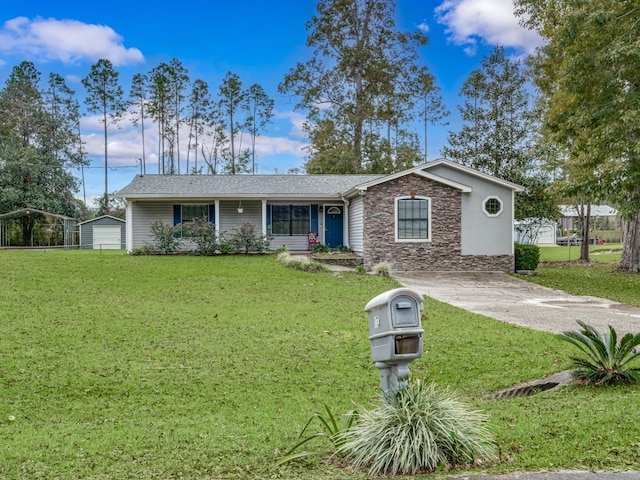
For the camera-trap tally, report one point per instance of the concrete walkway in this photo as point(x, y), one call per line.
point(503, 297)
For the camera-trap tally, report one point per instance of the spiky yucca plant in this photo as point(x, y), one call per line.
point(418, 429)
point(606, 360)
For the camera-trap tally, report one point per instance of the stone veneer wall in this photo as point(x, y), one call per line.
point(442, 253)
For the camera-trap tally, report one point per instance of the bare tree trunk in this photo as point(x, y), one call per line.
point(584, 248)
point(630, 261)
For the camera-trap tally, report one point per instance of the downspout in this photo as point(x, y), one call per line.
point(513, 220)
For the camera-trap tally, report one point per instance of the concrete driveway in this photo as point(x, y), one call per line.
point(500, 296)
point(503, 297)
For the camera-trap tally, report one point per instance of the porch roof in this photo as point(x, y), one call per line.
point(241, 186)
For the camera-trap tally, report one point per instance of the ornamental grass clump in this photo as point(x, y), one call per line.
point(419, 429)
point(299, 263)
point(383, 269)
point(606, 361)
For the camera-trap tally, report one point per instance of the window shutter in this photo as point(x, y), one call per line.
point(314, 218)
point(212, 213)
point(177, 218)
point(268, 218)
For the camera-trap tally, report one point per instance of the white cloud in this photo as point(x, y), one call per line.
point(491, 21)
point(124, 144)
point(297, 123)
point(68, 41)
point(423, 27)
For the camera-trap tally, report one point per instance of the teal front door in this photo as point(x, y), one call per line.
point(333, 226)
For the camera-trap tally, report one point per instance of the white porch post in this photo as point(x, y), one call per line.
point(345, 223)
point(264, 217)
point(216, 217)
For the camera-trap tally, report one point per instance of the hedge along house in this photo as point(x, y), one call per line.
point(439, 216)
point(103, 233)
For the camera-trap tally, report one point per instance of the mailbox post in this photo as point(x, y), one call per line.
point(395, 334)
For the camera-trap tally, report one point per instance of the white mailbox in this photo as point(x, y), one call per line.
point(395, 334)
point(395, 331)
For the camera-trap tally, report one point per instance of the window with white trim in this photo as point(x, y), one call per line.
point(413, 219)
point(492, 206)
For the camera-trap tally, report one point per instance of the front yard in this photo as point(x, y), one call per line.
point(157, 367)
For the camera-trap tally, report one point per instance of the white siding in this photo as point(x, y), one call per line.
point(356, 224)
point(144, 214)
point(481, 234)
point(229, 218)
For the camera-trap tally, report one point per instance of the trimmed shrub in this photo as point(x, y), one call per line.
point(527, 257)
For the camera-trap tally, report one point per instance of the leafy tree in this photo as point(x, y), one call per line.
point(160, 112)
point(199, 106)
point(588, 74)
point(215, 145)
point(357, 84)
point(64, 124)
point(37, 143)
point(178, 81)
point(63, 119)
point(498, 120)
point(116, 207)
point(105, 97)
point(432, 110)
point(259, 109)
point(137, 105)
point(231, 99)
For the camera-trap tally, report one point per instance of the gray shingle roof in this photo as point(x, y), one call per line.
point(193, 186)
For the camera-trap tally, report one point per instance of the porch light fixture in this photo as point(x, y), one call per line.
point(240, 209)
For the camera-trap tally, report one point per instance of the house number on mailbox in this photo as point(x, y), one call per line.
point(376, 321)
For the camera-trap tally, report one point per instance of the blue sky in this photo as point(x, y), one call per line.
point(258, 40)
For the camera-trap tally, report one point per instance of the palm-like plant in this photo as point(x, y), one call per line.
point(606, 360)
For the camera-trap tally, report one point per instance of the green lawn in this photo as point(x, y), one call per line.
point(133, 367)
point(599, 279)
point(597, 253)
